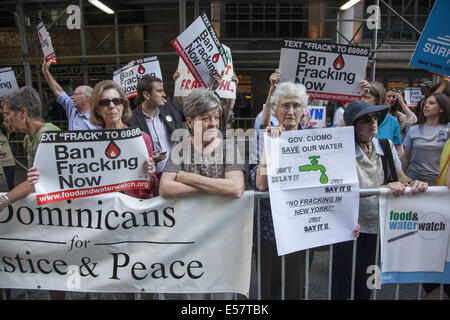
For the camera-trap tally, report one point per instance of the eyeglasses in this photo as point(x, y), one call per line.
point(369, 117)
point(287, 106)
point(105, 102)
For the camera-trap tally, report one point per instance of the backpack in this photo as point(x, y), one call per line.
point(390, 174)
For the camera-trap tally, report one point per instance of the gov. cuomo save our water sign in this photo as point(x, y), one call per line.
point(432, 52)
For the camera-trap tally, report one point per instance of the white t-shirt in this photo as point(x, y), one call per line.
point(371, 175)
point(426, 144)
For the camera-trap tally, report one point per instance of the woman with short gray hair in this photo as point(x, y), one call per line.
point(22, 114)
point(200, 101)
point(201, 166)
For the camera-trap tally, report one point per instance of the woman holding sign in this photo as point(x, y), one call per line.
point(377, 165)
point(288, 101)
point(110, 109)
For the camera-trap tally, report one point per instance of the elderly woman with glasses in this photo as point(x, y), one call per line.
point(110, 109)
point(377, 166)
point(288, 101)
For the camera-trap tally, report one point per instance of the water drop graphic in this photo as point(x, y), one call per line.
point(215, 58)
point(141, 69)
point(112, 150)
point(323, 178)
point(339, 63)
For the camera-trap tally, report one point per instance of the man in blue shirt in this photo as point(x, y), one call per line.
point(77, 106)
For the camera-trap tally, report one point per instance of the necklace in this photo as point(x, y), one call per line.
point(366, 147)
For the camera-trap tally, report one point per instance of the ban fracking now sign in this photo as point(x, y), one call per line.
point(129, 75)
point(201, 50)
point(8, 82)
point(186, 82)
point(46, 43)
point(83, 163)
point(328, 71)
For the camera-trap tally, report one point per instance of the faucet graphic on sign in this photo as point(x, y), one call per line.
point(314, 166)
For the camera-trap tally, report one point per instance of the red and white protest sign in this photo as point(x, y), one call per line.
point(328, 71)
point(46, 43)
point(76, 164)
point(186, 81)
point(129, 75)
point(413, 96)
point(200, 49)
point(8, 82)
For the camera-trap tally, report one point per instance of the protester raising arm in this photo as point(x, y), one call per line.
point(52, 83)
point(444, 83)
point(274, 80)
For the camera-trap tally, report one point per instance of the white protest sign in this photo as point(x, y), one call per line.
point(75, 164)
point(413, 96)
point(318, 116)
point(415, 231)
point(8, 82)
point(116, 243)
point(200, 49)
point(313, 187)
point(227, 88)
point(328, 71)
point(46, 43)
point(129, 75)
point(186, 81)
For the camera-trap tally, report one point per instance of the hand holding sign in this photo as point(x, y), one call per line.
point(46, 43)
point(200, 49)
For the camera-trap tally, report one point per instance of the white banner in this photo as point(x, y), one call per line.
point(75, 164)
point(129, 75)
point(8, 82)
point(46, 43)
point(116, 243)
point(313, 187)
point(186, 82)
point(200, 49)
point(413, 96)
point(415, 236)
point(328, 71)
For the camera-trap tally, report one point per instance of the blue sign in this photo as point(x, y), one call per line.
point(433, 49)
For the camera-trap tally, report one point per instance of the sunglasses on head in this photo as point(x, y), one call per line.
point(369, 117)
point(105, 102)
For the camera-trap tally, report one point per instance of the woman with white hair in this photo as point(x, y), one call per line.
point(288, 101)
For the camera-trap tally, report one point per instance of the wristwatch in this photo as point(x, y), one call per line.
point(4, 202)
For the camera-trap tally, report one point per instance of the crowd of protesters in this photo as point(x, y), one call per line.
point(417, 145)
